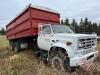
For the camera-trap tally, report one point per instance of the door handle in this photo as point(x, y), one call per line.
point(47, 40)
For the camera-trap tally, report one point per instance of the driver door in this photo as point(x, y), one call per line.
point(45, 37)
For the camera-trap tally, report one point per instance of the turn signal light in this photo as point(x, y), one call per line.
point(68, 43)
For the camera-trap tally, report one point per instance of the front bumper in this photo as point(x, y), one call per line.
point(80, 60)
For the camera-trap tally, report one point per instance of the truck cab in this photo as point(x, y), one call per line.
point(79, 48)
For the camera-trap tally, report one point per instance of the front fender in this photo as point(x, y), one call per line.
point(68, 49)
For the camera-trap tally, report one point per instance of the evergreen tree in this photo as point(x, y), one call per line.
point(74, 26)
point(2, 31)
point(95, 27)
point(86, 24)
point(99, 29)
point(67, 22)
point(89, 28)
point(86, 21)
point(81, 22)
point(81, 26)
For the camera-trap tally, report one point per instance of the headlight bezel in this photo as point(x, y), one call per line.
point(80, 44)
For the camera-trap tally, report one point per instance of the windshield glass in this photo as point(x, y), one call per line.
point(61, 29)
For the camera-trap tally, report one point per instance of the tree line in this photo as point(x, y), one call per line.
point(84, 26)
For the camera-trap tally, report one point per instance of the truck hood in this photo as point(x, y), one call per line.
point(74, 35)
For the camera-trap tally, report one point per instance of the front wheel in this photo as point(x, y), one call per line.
point(59, 60)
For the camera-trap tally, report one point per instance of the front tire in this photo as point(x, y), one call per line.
point(59, 60)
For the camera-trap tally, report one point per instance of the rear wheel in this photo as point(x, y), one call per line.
point(11, 45)
point(17, 47)
point(59, 60)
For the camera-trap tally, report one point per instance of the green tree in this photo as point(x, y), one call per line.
point(81, 22)
point(67, 22)
point(74, 26)
point(86, 21)
point(95, 27)
point(81, 26)
point(86, 24)
point(98, 29)
point(2, 31)
point(89, 27)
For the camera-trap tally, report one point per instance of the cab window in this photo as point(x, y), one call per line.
point(46, 29)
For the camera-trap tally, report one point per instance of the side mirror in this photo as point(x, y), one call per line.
point(39, 34)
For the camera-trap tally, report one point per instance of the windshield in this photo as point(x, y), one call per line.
point(61, 29)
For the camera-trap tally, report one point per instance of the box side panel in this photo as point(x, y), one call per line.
point(45, 17)
point(27, 23)
point(20, 27)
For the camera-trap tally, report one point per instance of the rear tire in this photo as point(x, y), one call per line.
point(59, 60)
point(17, 47)
point(11, 45)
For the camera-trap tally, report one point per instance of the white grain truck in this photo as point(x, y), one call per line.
point(58, 44)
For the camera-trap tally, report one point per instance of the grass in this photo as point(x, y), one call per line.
point(18, 63)
point(3, 42)
point(26, 63)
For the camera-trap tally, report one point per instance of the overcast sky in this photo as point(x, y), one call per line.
point(67, 8)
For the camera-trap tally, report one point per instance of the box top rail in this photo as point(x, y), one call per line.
point(46, 9)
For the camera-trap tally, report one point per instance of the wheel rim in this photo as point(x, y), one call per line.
point(11, 48)
point(57, 64)
point(16, 49)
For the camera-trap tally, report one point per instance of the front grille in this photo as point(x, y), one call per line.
point(87, 43)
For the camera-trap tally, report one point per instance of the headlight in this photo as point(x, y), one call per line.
point(80, 44)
